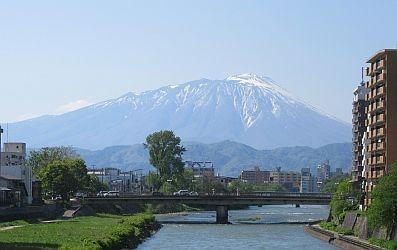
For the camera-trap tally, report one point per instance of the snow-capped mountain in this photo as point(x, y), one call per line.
point(244, 108)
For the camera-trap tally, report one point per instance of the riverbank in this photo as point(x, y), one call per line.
point(102, 231)
point(339, 240)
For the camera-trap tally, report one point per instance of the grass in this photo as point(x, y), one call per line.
point(387, 244)
point(92, 232)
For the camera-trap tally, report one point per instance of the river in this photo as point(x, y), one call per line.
point(253, 228)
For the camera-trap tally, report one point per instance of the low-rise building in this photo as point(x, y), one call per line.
point(289, 179)
point(225, 180)
point(201, 169)
point(14, 154)
point(19, 185)
point(255, 176)
point(118, 180)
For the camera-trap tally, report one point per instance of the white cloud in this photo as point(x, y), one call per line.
point(71, 106)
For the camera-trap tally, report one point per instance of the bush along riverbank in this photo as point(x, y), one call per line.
point(102, 231)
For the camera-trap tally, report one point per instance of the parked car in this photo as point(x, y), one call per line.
point(156, 193)
point(193, 193)
point(101, 193)
point(182, 192)
point(81, 195)
point(111, 194)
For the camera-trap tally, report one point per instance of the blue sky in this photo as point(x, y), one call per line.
point(57, 56)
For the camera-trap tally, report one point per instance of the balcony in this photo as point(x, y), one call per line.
point(380, 159)
point(380, 146)
point(380, 64)
point(380, 78)
point(380, 118)
point(380, 132)
point(379, 91)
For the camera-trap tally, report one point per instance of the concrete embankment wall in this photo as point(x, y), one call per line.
point(344, 242)
point(31, 212)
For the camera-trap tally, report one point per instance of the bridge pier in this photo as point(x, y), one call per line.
point(222, 214)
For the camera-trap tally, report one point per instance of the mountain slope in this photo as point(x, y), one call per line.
point(229, 158)
point(244, 108)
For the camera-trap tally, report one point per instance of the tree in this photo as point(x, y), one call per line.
point(330, 185)
point(153, 180)
point(383, 209)
point(95, 185)
point(165, 154)
point(39, 159)
point(64, 177)
point(343, 199)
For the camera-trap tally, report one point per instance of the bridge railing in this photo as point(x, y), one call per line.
point(231, 195)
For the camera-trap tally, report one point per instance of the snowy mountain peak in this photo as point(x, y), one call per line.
point(246, 108)
point(259, 81)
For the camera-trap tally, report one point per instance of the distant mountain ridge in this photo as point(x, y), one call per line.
point(246, 108)
point(229, 158)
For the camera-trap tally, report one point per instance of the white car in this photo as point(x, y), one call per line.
point(182, 192)
point(111, 194)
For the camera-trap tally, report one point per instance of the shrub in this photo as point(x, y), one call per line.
point(128, 233)
point(388, 244)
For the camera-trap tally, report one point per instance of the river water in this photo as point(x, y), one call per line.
point(254, 228)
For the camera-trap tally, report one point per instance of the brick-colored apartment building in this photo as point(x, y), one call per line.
point(377, 149)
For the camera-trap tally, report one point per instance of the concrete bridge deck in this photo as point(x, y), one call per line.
point(221, 202)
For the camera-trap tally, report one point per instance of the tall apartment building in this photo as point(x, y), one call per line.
point(380, 141)
point(14, 154)
point(323, 173)
point(306, 185)
point(256, 176)
point(359, 128)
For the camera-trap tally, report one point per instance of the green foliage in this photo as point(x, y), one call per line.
point(343, 199)
point(153, 180)
point(333, 226)
point(331, 184)
point(93, 232)
point(39, 159)
point(64, 177)
point(128, 233)
point(165, 154)
point(95, 185)
point(383, 209)
point(387, 244)
point(167, 188)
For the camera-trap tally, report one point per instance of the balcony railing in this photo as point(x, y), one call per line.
point(380, 64)
point(380, 132)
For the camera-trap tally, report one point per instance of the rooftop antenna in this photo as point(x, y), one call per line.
point(362, 76)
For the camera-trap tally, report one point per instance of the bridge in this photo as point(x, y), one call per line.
point(219, 201)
